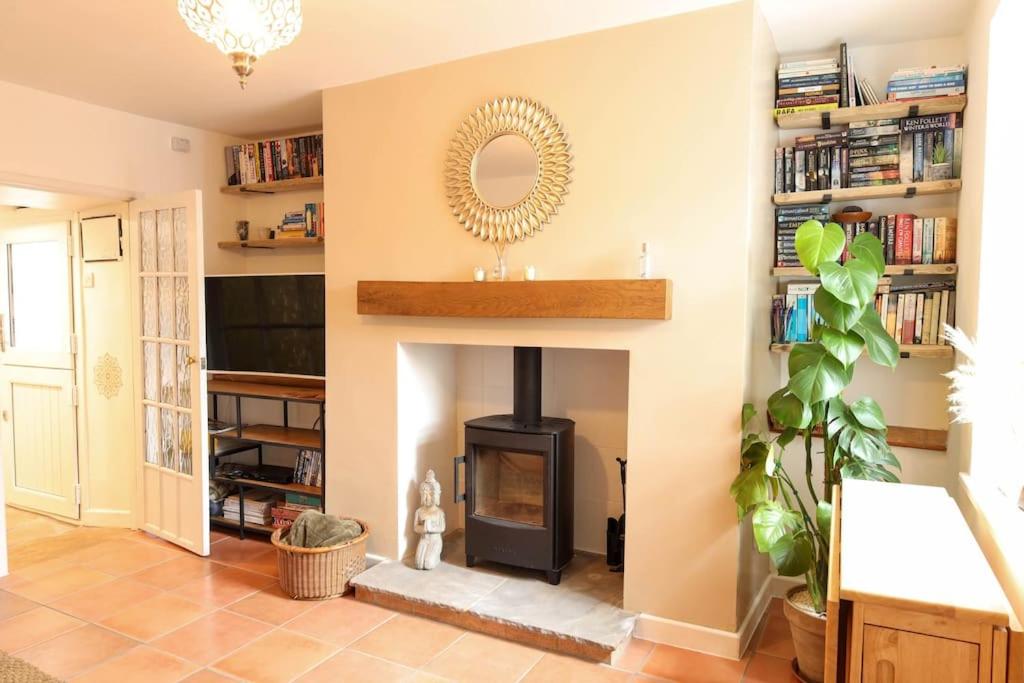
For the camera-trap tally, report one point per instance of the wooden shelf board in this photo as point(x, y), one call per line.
point(304, 489)
point(906, 437)
point(275, 435)
point(608, 299)
point(227, 387)
point(885, 110)
point(906, 350)
point(847, 194)
point(283, 243)
point(288, 185)
point(919, 269)
point(249, 526)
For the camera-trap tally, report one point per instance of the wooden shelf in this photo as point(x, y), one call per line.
point(283, 243)
point(249, 526)
point(274, 435)
point(608, 299)
point(274, 186)
point(885, 110)
point(918, 269)
point(304, 489)
point(906, 350)
point(847, 194)
point(287, 392)
point(906, 437)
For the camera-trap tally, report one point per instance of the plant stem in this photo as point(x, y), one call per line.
point(809, 468)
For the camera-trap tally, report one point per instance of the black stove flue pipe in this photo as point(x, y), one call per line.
point(526, 388)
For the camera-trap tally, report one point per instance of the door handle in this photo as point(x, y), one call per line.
point(459, 497)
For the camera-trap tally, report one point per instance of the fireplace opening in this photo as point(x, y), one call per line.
point(519, 480)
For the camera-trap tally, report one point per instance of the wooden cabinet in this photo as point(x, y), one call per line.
point(911, 597)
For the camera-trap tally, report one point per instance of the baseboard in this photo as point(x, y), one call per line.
point(712, 641)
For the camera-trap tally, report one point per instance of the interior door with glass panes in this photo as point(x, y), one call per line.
point(170, 321)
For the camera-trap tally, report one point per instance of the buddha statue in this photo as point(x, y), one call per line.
point(429, 523)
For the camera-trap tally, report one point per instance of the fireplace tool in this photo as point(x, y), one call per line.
point(616, 535)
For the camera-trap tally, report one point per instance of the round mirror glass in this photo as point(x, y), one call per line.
point(505, 170)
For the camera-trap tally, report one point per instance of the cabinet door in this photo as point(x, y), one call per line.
point(892, 656)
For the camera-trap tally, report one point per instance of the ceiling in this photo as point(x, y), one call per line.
point(138, 56)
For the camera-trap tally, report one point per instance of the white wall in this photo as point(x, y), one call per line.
point(590, 387)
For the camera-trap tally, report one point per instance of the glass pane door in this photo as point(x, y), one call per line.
point(509, 485)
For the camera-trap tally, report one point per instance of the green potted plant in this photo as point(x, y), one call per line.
point(794, 530)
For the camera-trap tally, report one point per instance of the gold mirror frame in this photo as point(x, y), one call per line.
point(532, 121)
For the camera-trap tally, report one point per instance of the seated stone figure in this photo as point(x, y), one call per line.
point(429, 523)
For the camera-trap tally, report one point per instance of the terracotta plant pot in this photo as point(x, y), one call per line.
point(808, 631)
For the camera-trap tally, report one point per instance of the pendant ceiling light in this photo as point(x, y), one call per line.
point(244, 30)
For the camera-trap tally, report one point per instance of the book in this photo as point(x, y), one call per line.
point(927, 240)
point(943, 312)
point(917, 243)
point(909, 318)
point(919, 318)
point(844, 77)
point(779, 111)
point(275, 159)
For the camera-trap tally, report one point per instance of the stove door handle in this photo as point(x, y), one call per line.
point(459, 497)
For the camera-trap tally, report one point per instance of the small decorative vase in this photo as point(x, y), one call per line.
point(242, 228)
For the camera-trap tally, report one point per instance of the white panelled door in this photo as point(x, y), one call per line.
point(171, 387)
point(37, 368)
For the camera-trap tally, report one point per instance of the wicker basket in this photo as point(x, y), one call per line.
point(319, 573)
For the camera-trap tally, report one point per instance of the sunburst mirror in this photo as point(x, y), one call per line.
point(508, 170)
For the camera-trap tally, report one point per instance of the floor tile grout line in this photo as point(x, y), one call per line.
point(444, 649)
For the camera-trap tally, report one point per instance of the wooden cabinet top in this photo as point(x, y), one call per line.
point(909, 547)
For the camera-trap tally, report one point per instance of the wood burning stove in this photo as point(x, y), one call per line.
point(519, 480)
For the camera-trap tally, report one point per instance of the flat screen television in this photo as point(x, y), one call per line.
point(265, 324)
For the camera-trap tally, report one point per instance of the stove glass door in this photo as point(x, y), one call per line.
point(509, 485)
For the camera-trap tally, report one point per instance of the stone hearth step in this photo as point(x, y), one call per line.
point(577, 617)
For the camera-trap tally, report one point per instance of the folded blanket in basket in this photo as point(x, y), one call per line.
point(313, 529)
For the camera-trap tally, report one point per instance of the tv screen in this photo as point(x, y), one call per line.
point(265, 323)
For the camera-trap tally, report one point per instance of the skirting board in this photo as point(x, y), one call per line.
point(713, 641)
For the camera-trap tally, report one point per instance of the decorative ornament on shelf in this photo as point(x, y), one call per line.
point(244, 30)
point(429, 523)
point(507, 171)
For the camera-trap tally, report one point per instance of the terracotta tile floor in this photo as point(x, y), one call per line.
point(114, 605)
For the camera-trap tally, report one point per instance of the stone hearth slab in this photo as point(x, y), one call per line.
point(580, 617)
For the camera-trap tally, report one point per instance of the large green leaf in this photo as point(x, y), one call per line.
point(815, 375)
point(793, 554)
point(786, 437)
point(858, 469)
point(839, 315)
point(854, 284)
point(845, 346)
point(817, 244)
point(823, 517)
point(749, 489)
point(788, 410)
point(867, 248)
point(747, 414)
point(881, 347)
point(868, 413)
point(771, 522)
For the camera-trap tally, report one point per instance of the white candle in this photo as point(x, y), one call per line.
point(479, 274)
point(529, 273)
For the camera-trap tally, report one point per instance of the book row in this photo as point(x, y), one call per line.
point(821, 85)
point(309, 468)
point(787, 220)
point(911, 313)
point(925, 83)
point(879, 152)
point(278, 159)
point(916, 314)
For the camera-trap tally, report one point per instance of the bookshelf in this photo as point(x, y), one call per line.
point(906, 350)
point(885, 110)
point(247, 439)
point(847, 194)
point(275, 186)
point(283, 243)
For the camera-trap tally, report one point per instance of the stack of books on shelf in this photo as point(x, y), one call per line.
point(927, 82)
point(810, 85)
point(931, 147)
point(874, 153)
point(914, 313)
point(793, 315)
point(279, 159)
point(309, 468)
point(286, 513)
point(307, 223)
point(257, 507)
point(787, 220)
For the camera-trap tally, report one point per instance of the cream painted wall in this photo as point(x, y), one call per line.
point(656, 127)
point(71, 146)
point(588, 386)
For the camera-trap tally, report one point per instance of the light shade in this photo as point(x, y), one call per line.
point(243, 29)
